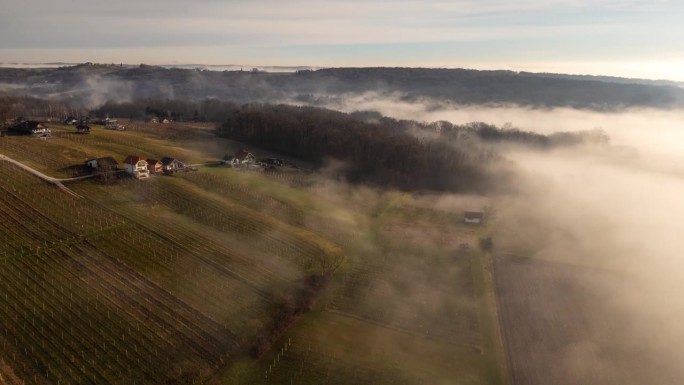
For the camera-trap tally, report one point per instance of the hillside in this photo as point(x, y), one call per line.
point(92, 85)
point(223, 276)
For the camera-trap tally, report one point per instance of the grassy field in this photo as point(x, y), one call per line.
point(171, 280)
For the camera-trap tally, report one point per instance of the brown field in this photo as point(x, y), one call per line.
point(565, 324)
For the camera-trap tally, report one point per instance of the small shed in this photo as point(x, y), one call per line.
point(154, 166)
point(102, 163)
point(136, 166)
point(473, 217)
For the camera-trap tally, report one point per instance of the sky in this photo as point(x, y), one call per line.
point(631, 38)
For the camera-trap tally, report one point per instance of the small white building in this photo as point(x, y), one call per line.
point(136, 166)
point(473, 217)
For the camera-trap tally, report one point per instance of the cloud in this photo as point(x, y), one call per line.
point(299, 22)
point(527, 34)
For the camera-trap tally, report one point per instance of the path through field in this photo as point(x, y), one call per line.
point(57, 182)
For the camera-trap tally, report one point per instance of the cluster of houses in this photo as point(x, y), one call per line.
point(40, 129)
point(139, 167)
point(28, 127)
point(247, 160)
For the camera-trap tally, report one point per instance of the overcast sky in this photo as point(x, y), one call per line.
point(614, 37)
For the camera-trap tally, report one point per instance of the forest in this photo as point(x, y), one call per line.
point(91, 85)
point(407, 155)
point(372, 148)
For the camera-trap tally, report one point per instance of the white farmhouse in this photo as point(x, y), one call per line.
point(136, 166)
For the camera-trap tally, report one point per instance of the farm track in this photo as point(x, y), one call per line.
point(49, 179)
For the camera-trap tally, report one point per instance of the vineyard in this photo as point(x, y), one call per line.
point(74, 311)
point(170, 280)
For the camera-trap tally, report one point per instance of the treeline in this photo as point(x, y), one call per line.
point(29, 107)
point(473, 87)
point(448, 86)
point(488, 133)
point(379, 150)
point(386, 152)
point(207, 110)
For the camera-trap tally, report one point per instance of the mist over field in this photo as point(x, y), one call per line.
point(614, 211)
point(347, 192)
point(587, 234)
point(619, 218)
point(608, 219)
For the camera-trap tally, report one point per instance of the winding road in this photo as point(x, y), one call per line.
point(56, 181)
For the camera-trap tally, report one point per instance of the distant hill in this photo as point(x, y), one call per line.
point(93, 84)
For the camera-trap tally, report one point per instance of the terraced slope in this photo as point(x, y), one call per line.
point(172, 280)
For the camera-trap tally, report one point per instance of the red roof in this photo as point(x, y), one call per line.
point(132, 159)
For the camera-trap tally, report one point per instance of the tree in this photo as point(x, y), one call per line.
point(486, 244)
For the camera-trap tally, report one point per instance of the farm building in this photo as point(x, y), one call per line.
point(111, 124)
point(171, 165)
point(103, 163)
point(136, 166)
point(154, 166)
point(29, 127)
point(82, 129)
point(474, 217)
point(243, 156)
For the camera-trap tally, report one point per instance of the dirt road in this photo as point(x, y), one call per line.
point(56, 181)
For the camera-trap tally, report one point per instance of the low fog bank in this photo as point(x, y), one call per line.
point(608, 214)
point(616, 210)
point(622, 221)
